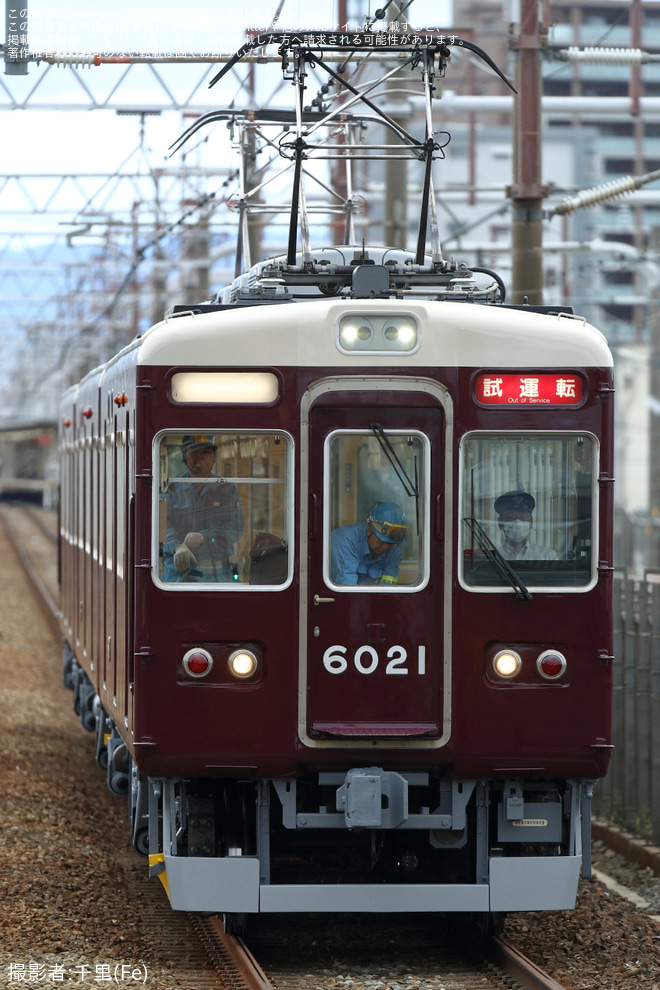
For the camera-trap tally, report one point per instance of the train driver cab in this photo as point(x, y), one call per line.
point(376, 508)
point(529, 511)
point(223, 514)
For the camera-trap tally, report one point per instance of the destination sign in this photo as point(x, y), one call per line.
point(529, 389)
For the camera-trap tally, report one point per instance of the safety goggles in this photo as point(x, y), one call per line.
point(395, 532)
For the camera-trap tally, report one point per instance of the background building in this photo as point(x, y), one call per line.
point(604, 260)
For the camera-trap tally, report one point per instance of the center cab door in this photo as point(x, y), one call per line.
point(373, 663)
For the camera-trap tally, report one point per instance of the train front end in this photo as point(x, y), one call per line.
point(414, 726)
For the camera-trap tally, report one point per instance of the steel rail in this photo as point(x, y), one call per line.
point(47, 605)
point(230, 955)
point(234, 965)
point(526, 973)
point(43, 526)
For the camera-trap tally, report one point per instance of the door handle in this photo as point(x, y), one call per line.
point(322, 601)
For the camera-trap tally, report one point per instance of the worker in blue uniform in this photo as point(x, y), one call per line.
point(204, 519)
point(369, 554)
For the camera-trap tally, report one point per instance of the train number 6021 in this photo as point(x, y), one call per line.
point(366, 660)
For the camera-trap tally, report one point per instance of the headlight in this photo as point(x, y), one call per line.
point(377, 334)
point(355, 333)
point(400, 334)
point(243, 664)
point(507, 663)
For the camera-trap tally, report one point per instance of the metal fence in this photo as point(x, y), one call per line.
point(629, 796)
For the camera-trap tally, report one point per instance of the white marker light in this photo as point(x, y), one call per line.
point(507, 663)
point(243, 664)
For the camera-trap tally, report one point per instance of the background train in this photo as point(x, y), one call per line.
point(29, 461)
point(292, 743)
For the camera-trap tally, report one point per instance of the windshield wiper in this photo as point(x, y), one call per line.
point(410, 487)
point(498, 560)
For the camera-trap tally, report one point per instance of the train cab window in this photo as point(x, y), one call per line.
point(528, 511)
point(376, 509)
point(223, 515)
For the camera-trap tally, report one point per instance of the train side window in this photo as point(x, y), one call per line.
point(223, 514)
point(529, 498)
point(376, 508)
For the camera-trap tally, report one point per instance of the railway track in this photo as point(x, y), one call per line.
point(76, 905)
point(313, 953)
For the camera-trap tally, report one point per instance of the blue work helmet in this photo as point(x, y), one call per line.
point(388, 522)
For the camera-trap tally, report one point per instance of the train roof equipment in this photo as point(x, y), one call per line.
point(348, 270)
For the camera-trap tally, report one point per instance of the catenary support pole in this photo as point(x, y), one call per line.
point(527, 191)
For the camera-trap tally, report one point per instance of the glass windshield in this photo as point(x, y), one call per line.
point(223, 509)
point(532, 498)
point(376, 509)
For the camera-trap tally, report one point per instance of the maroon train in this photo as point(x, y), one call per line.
point(289, 741)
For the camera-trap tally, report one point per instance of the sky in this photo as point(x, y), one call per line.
point(79, 141)
point(37, 142)
point(67, 140)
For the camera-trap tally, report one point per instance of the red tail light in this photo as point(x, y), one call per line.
point(197, 663)
point(551, 664)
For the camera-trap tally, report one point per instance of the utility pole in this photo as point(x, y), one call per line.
point(249, 152)
point(339, 168)
point(196, 259)
point(527, 192)
point(396, 169)
point(652, 556)
point(635, 90)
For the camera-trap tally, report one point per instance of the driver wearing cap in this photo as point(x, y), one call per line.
point(515, 519)
point(369, 554)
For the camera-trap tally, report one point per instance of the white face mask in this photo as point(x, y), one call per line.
point(516, 530)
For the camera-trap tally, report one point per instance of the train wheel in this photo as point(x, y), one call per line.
point(117, 767)
point(102, 730)
point(141, 841)
point(77, 675)
point(233, 831)
point(139, 810)
point(87, 716)
point(117, 782)
point(67, 667)
point(236, 924)
point(489, 923)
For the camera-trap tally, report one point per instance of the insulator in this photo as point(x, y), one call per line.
point(616, 56)
point(59, 58)
point(592, 196)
